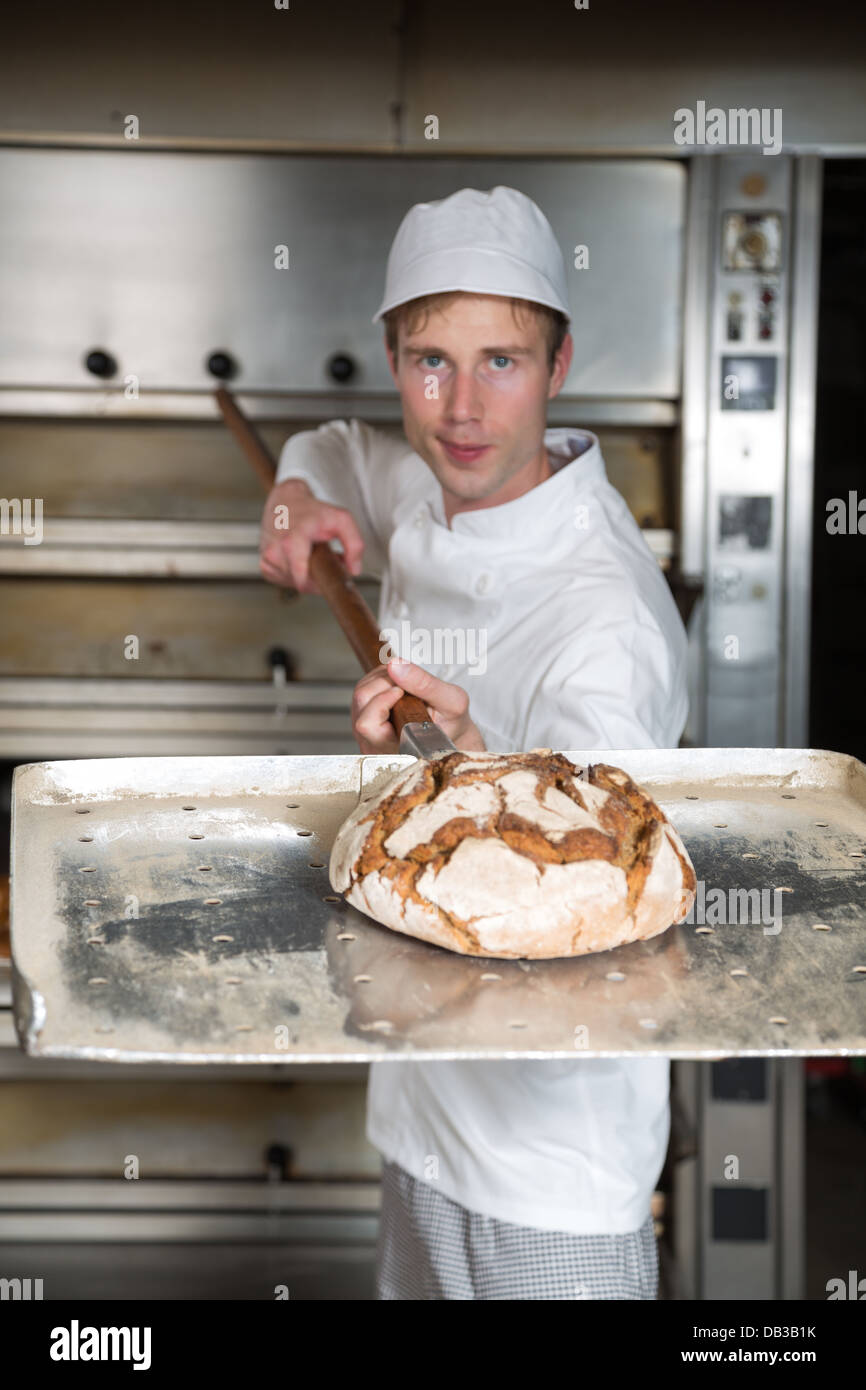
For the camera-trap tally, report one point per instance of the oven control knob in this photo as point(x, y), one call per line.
point(282, 661)
point(754, 243)
point(100, 363)
point(278, 1161)
point(342, 367)
point(222, 365)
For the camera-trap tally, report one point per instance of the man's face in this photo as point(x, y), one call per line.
point(473, 378)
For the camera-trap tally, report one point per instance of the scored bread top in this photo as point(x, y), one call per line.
point(514, 854)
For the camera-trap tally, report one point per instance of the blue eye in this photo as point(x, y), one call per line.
point(500, 357)
point(433, 356)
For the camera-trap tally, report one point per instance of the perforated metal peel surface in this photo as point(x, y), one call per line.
point(179, 909)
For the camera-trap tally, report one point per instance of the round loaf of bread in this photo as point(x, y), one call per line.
point(514, 855)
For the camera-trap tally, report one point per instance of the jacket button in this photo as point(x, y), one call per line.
point(483, 583)
point(419, 518)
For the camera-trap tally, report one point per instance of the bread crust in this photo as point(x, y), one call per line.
point(514, 855)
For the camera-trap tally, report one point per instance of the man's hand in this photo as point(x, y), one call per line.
point(377, 693)
point(284, 554)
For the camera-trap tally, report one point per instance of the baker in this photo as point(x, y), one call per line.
point(511, 1179)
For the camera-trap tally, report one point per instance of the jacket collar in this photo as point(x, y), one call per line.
point(582, 466)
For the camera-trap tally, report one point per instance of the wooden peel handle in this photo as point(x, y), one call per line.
point(335, 584)
point(258, 454)
point(327, 571)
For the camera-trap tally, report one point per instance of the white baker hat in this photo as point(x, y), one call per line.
point(499, 242)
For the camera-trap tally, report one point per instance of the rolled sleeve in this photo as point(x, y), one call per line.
point(341, 464)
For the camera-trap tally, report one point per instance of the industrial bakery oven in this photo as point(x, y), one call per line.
point(135, 621)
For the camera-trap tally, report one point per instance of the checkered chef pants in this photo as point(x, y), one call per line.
point(432, 1248)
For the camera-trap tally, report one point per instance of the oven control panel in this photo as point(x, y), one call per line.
point(746, 450)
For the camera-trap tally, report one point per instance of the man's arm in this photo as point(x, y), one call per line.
point(292, 522)
point(322, 492)
point(620, 685)
point(349, 466)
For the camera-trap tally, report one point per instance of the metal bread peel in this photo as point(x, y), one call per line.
point(177, 909)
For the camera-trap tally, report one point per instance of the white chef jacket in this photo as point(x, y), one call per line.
point(584, 649)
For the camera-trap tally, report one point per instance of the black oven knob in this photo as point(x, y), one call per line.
point(100, 363)
point(279, 657)
point(222, 365)
point(341, 367)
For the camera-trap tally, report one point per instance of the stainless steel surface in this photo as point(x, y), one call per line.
point(692, 539)
point(97, 1211)
point(65, 1126)
point(136, 1269)
point(745, 1131)
point(280, 76)
point(696, 338)
point(107, 1194)
point(129, 230)
point(799, 494)
point(766, 1135)
point(58, 717)
point(365, 78)
point(134, 548)
point(170, 1227)
point(746, 452)
point(790, 1178)
point(377, 407)
point(167, 549)
point(686, 1080)
point(273, 971)
point(616, 85)
point(65, 628)
point(137, 693)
